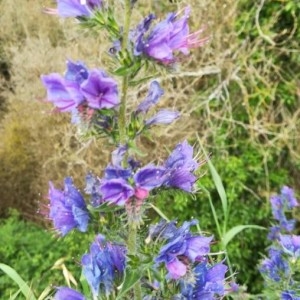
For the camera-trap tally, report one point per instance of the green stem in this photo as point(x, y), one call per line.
point(122, 111)
point(132, 226)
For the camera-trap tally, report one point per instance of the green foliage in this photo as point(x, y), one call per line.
point(32, 252)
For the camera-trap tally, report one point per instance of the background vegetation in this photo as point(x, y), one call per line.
point(240, 93)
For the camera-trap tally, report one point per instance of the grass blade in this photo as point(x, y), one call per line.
point(218, 184)
point(24, 288)
point(230, 234)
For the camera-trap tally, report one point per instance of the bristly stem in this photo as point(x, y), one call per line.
point(132, 226)
point(122, 111)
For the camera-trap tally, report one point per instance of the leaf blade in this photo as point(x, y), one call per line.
point(231, 233)
point(24, 287)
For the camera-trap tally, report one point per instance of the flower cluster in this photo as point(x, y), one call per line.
point(275, 267)
point(164, 116)
point(281, 264)
point(103, 264)
point(185, 257)
point(209, 282)
point(81, 87)
point(182, 248)
point(280, 203)
point(166, 37)
point(120, 184)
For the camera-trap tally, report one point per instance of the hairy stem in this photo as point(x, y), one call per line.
point(122, 111)
point(132, 226)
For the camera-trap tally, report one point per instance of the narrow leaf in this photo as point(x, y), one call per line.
point(15, 295)
point(131, 278)
point(25, 289)
point(230, 234)
point(84, 284)
point(45, 293)
point(217, 181)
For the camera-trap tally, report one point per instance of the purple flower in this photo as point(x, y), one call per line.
point(65, 293)
point(182, 179)
point(290, 244)
point(116, 191)
point(154, 93)
point(288, 195)
point(112, 172)
point(279, 204)
point(99, 90)
point(182, 157)
point(76, 71)
point(180, 165)
point(210, 281)
point(162, 230)
point(149, 177)
point(275, 266)
point(289, 295)
point(67, 208)
point(274, 233)
point(117, 155)
point(164, 116)
point(182, 249)
point(103, 264)
point(81, 91)
point(168, 36)
point(75, 8)
point(64, 94)
point(92, 188)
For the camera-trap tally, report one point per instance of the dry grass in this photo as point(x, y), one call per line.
point(35, 44)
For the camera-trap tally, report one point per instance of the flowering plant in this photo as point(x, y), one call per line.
point(281, 268)
point(165, 260)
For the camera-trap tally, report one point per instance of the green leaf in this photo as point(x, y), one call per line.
point(230, 234)
point(15, 295)
point(25, 289)
point(131, 278)
point(105, 208)
point(45, 293)
point(84, 284)
point(218, 183)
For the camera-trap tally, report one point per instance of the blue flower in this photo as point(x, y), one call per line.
point(92, 188)
point(99, 90)
point(154, 94)
point(289, 198)
point(149, 177)
point(81, 89)
point(164, 116)
point(289, 295)
point(290, 244)
point(166, 37)
point(182, 249)
point(279, 203)
point(104, 263)
point(75, 8)
point(163, 230)
point(209, 282)
point(64, 94)
point(116, 191)
point(65, 293)
point(67, 208)
point(275, 266)
point(180, 166)
point(76, 72)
